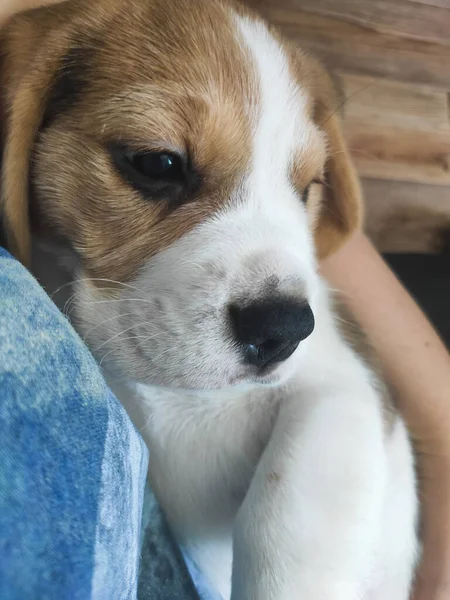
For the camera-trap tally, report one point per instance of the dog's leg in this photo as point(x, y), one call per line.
point(399, 549)
point(310, 523)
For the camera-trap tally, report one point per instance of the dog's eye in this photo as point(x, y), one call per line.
point(305, 194)
point(307, 189)
point(160, 166)
point(157, 175)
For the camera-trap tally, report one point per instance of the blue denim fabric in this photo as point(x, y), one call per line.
point(72, 469)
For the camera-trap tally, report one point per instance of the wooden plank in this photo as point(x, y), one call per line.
point(353, 48)
point(438, 3)
point(404, 172)
point(383, 197)
point(405, 217)
point(399, 18)
point(398, 132)
point(367, 141)
point(395, 105)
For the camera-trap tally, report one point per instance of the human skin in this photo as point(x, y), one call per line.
point(417, 365)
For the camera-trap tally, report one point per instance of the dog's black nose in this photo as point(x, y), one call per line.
point(269, 331)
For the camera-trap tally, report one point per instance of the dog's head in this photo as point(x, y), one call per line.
point(194, 164)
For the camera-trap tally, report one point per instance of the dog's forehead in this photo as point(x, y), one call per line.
point(193, 60)
point(191, 43)
point(285, 136)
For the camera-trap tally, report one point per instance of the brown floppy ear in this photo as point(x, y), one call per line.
point(341, 212)
point(30, 47)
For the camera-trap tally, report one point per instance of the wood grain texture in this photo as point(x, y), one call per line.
point(438, 3)
point(406, 217)
point(349, 47)
point(406, 146)
point(400, 171)
point(397, 105)
point(394, 17)
point(397, 131)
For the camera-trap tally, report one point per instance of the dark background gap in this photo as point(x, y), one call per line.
point(427, 278)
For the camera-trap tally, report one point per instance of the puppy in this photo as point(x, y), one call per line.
point(183, 167)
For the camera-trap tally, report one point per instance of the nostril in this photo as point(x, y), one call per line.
point(252, 354)
point(270, 331)
point(259, 354)
point(247, 323)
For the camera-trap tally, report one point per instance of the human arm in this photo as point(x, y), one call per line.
point(417, 365)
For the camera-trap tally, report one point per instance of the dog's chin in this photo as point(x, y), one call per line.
point(178, 376)
point(280, 374)
point(245, 379)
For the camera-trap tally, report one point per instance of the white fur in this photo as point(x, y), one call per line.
point(292, 474)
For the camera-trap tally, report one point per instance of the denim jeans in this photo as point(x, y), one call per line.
point(76, 519)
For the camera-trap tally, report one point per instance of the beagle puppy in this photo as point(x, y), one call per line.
point(183, 168)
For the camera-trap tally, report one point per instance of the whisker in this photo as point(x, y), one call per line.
point(341, 320)
point(119, 334)
point(186, 262)
point(107, 354)
point(114, 300)
point(103, 279)
point(94, 302)
point(147, 338)
point(119, 315)
point(171, 349)
point(147, 423)
point(338, 292)
point(118, 349)
point(111, 301)
point(68, 303)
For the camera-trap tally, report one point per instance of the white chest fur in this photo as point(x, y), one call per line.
point(305, 471)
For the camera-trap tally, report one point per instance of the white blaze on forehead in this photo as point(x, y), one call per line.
point(282, 125)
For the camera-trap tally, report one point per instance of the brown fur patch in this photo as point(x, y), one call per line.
point(340, 206)
point(157, 76)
